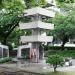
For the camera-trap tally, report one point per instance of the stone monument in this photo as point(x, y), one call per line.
point(39, 27)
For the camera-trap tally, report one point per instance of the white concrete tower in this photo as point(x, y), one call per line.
point(38, 27)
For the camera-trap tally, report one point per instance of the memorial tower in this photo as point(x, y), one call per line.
point(39, 27)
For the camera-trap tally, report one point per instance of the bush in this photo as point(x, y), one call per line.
point(55, 60)
point(4, 60)
point(57, 48)
point(67, 53)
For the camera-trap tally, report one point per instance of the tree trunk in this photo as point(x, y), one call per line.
point(65, 40)
point(55, 68)
point(4, 42)
point(62, 46)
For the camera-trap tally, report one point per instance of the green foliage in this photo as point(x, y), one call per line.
point(4, 60)
point(64, 53)
point(37, 3)
point(55, 60)
point(1, 5)
point(14, 5)
point(61, 3)
point(66, 1)
point(46, 48)
point(34, 3)
point(14, 37)
point(9, 17)
point(0, 1)
point(7, 23)
point(68, 8)
point(64, 27)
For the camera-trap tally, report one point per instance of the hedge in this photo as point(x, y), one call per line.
point(4, 60)
point(65, 53)
point(57, 48)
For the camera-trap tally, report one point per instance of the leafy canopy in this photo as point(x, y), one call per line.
point(55, 60)
point(61, 3)
point(9, 19)
point(64, 27)
point(66, 1)
point(14, 5)
point(34, 3)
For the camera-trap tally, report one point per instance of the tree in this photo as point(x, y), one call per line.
point(9, 17)
point(7, 24)
point(64, 27)
point(1, 4)
point(55, 60)
point(66, 1)
point(14, 37)
point(34, 3)
point(64, 22)
point(61, 3)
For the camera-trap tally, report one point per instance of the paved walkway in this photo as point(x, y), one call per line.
point(34, 67)
point(65, 69)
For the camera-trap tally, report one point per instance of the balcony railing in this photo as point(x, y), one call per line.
point(36, 24)
point(36, 38)
point(39, 10)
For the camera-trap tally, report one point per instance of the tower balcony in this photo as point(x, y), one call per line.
point(40, 11)
point(36, 24)
point(36, 38)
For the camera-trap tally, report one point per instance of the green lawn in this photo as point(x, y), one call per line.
point(62, 73)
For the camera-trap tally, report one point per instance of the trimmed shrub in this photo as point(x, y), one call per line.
point(57, 48)
point(68, 53)
point(55, 60)
point(4, 60)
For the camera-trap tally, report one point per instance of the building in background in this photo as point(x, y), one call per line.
point(4, 51)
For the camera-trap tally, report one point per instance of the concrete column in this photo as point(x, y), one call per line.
point(35, 45)
point(35, 50)
point(19, 52)
point(36, 18)
point(2, 52)
point(36, 32)
point(8, 53)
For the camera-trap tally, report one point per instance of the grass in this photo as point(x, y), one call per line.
point(61, 73)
